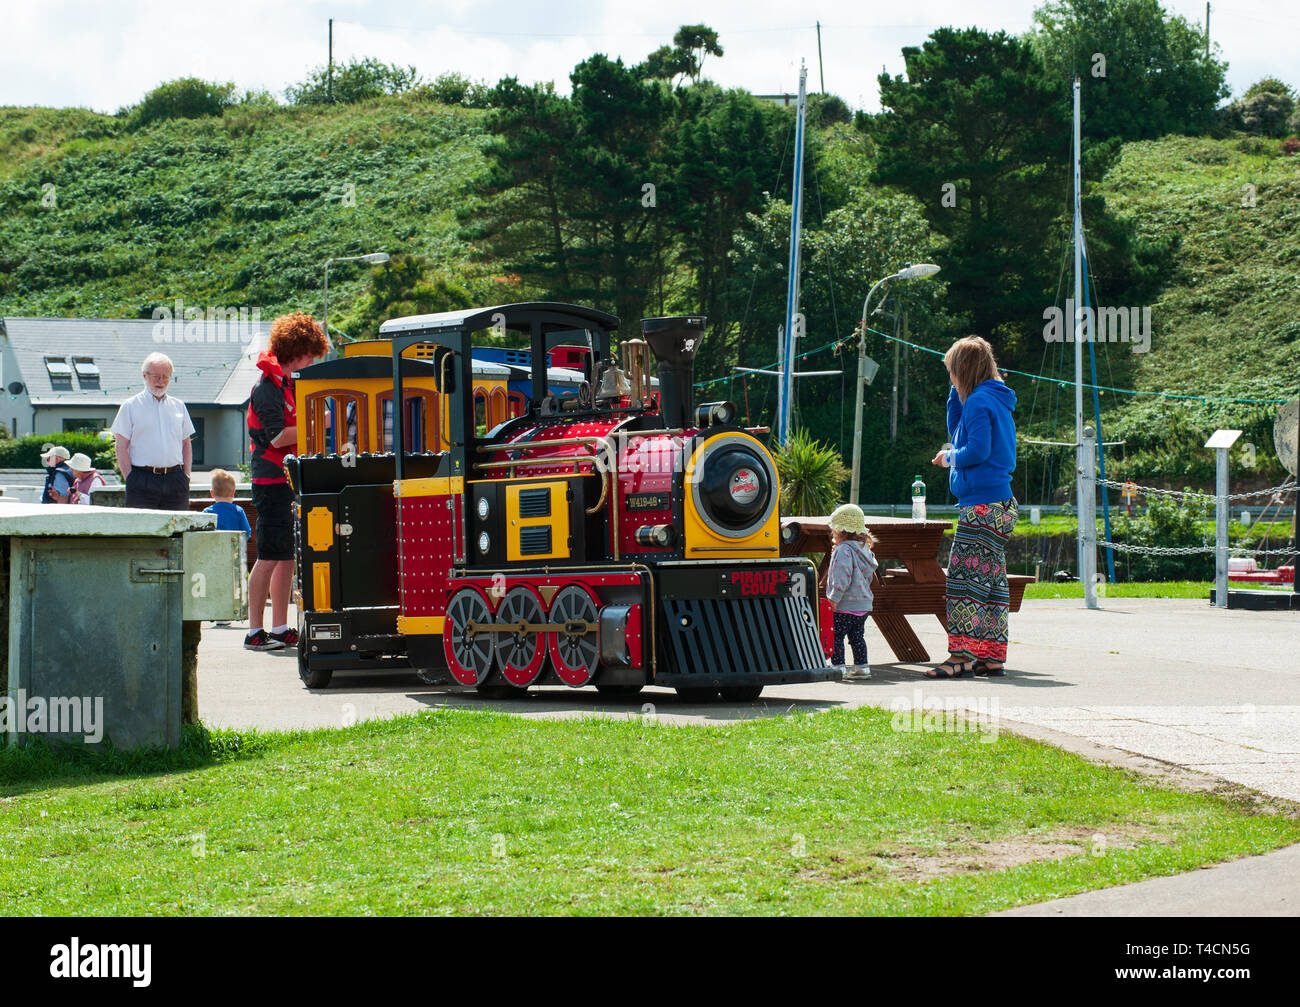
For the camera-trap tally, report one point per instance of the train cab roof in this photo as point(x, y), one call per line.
point(515, 315)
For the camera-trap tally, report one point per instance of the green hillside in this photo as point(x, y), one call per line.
point(235, 210)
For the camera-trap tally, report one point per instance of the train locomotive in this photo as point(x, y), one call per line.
point(609, 533)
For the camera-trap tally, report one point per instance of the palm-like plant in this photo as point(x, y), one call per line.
point(812, 475)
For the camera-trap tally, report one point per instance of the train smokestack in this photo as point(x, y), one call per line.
point(675, 341)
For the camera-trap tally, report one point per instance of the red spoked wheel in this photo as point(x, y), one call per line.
point(520, 656)
point(469, 653)
point(576, 655)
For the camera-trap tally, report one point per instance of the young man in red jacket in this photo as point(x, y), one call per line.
point(296, 340)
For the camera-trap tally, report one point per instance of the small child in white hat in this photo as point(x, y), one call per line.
point(848, 586)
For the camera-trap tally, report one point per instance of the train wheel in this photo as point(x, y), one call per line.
point(696, 694)
point(619, 691)
point(575, 656)
point(741, 693)
point(313, 678)
point(469, 654)
point(520, 656)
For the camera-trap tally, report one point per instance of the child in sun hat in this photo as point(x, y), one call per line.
point(87, 478)
point(848, 585)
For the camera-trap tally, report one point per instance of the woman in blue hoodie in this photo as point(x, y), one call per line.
point(981, 460)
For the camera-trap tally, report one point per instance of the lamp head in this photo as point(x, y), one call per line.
point(917, 272)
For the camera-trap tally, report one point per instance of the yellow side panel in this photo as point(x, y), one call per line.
point(557, 521)
point(320, 529)
point(320, 586)
point(438, 486)
point(702, 542)
point(419, 625)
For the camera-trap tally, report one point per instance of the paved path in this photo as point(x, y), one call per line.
point(1151, 683)
point(1172, 680)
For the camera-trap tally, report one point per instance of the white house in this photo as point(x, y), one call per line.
point(64, 374)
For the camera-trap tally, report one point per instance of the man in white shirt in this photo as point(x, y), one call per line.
point(152, 433)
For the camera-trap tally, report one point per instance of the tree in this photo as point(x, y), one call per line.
point(698, 41)
point(1145, 72)
point(685, 58)
point(572, 214)
point(359, 80)
point(720, 147)
point(1269, 85)
point(977, 132)
point(403, 286)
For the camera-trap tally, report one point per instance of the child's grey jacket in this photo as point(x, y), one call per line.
point(848, 582)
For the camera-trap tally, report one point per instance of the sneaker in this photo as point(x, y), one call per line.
point(857, 673)
point(289, 637)
point(262, 640)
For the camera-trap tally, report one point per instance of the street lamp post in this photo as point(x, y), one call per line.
point(916, 272)
point(375, 257)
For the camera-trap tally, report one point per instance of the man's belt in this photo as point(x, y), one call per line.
point(159, 471)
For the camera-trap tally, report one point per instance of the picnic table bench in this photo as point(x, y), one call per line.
point(918, 587)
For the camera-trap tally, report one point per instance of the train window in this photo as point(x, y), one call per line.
point(518, 404)
point(498, 411)
point(420, 426)
point(480, 411)
point(335, 418)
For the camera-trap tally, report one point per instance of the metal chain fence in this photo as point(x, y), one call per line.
point(1285, 488)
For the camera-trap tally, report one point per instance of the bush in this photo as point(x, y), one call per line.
point(187, 98)
point(1267, 114)
point(25, 452)
point(825, 109)
point(812, 476)
point(1166, 523)
point(1291, 145)
point(360, 80)
point(456, 89)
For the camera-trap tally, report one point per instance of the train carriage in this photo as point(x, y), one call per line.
point(613, 536)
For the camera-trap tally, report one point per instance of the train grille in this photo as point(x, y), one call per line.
point(718, 638)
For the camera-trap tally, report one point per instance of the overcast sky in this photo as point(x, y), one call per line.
point(104, 54)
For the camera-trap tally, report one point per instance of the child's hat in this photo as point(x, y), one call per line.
point(849, 517)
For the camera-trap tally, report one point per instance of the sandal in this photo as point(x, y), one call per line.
point(953, 669)
point(984, 668)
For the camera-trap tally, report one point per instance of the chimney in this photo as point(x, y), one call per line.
point(675, 342)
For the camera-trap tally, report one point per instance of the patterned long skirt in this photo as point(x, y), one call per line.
point(978, 597)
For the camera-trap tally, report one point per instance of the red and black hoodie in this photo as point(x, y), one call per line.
point(271, 408)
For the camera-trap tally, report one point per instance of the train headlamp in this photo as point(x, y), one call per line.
point(484, 542)
point(483, 508)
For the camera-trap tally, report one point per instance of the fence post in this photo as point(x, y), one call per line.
point(1221, 441)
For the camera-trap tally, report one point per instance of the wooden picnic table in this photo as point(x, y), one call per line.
point(918, 587)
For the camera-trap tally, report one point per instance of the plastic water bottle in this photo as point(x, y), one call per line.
point(918, 499)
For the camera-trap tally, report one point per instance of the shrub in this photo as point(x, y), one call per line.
point(1166, 523)
point(824, 109)
point(1267, 113)
point(360, 80)
point(1291, 145)
point(456, 89)
point(187, 98)
point(1269, 85)
point(25, 452)
point(812, 475)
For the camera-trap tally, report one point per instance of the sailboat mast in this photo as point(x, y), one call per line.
point(785, 398)
point(1087, 501)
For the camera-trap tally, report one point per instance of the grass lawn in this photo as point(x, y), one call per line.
point(1140, 589)
point(463, 812)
